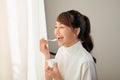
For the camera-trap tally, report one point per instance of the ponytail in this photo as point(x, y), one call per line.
point(86, 38)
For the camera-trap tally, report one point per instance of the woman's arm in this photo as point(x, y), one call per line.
point(50, 73)
point(44, 49)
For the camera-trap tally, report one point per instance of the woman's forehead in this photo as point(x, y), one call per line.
point(59, 24)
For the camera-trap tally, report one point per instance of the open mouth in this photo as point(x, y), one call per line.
point(60, 38)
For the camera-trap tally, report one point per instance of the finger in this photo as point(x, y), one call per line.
point(49, 68)
point(41, 41)
point(42, 44)
point(56, 66)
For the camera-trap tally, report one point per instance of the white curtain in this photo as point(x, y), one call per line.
point(22, 24)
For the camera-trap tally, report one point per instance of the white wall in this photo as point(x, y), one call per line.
point(105, 22)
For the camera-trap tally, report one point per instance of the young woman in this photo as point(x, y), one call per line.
point(74, 61)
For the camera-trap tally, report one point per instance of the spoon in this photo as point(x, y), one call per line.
point(52, 40)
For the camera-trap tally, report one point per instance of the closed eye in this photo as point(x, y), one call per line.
point(59, 27)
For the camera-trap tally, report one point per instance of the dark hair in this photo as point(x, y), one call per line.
point(75, 19)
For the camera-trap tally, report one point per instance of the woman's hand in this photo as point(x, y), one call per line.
point(54, 72)
point(44, 48)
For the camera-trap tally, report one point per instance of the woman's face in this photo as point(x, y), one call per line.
point(66, 35)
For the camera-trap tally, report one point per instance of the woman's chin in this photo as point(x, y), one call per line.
point(60, 44)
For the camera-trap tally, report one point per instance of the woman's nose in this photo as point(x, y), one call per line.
point(56, 31)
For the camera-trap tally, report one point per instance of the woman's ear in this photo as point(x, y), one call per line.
point(77, 31)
